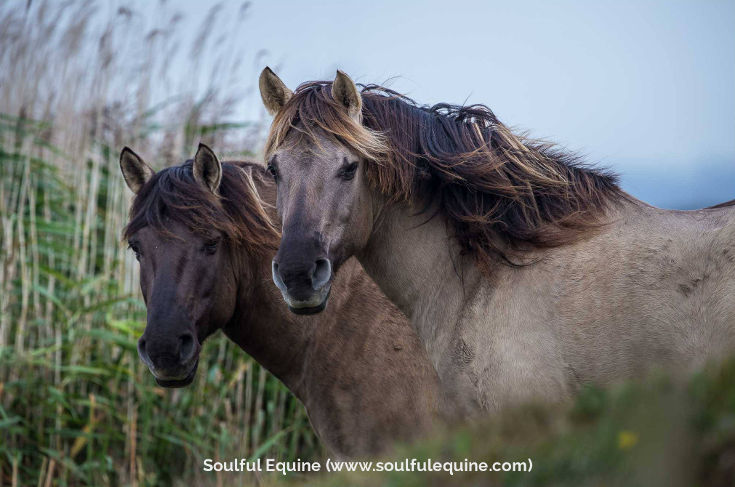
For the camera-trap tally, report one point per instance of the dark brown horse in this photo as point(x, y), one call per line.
point(204, 241)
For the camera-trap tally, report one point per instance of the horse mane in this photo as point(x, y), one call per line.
point(501, 192)
point(237, 212)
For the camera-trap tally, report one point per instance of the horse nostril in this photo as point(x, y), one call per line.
point(187, 347)
point(321, 274)
point(277, 277)
point(142, 351)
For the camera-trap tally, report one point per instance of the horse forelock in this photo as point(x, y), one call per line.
point(312, 113)
point(237, 211)
point(499, 190)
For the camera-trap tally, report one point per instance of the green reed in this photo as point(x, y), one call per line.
point(76, 405)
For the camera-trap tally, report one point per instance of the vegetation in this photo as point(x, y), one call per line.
point(655, 432)
point(76, 405)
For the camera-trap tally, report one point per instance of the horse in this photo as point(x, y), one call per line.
point(203, 236)
point(526, 272)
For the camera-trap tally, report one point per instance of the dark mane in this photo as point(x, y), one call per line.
point(173, 194)
point(500, 191)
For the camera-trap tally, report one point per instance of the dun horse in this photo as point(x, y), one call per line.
point(525, 272)
point(204, 242)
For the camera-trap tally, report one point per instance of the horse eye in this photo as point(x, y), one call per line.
point(272, 170)
point(135, 247)
point(348, 172)
point(210, 247)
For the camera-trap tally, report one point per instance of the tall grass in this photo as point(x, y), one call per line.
point(77, 82)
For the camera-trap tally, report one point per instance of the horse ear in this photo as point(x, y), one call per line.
point(345, 92)
point(273, 91)
point(207, 168)
point(134, 170)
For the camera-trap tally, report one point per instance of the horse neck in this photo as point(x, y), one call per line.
point(419, 267)
point(263, 327)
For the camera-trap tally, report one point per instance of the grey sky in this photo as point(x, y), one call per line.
point(645, 87)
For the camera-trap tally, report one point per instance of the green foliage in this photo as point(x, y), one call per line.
point(76, 405)
point(654, 432)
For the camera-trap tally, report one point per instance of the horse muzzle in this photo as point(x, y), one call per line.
point(182, 379)
point(305, 288)
point(173, 362)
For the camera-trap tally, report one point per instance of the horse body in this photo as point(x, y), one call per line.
point(524, 271)
point(364, 387)
point(653, 288)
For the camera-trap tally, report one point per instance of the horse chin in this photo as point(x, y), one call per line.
point(177, 382)
point(308, 308)
point(312, 310)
